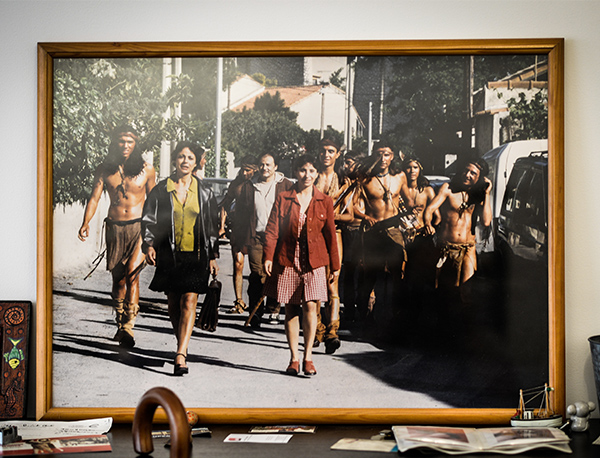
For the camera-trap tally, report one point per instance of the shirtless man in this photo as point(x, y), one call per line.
point(331, 183)
point(420, 250)
point(417, 193)
point(383, 244)
point(351, 274)
point(127, 179)
point(460, 202)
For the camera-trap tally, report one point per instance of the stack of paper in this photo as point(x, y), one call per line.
point(456, 441)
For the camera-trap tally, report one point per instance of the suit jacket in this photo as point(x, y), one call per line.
point(281, 234)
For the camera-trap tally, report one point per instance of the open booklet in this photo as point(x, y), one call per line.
point(456, 441)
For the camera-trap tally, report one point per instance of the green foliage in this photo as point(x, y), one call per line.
point(92, 97)
point(425, 102)
point(425, 96)
point(259, 131)
point(337, 80)
point(312, 139)
point(262, 79)
point(274, 104)
point(528, 119)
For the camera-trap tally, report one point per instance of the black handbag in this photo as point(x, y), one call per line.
point(208, 317)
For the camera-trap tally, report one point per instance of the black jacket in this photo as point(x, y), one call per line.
point(158, 226)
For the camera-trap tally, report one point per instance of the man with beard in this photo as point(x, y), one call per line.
point(127, 179)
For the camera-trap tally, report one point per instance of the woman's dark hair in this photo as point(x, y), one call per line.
point(135, 162)
point(304, 159)
point(422, 181)
point(195, 148)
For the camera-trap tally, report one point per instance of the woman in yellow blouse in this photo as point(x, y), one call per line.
point(180, 230)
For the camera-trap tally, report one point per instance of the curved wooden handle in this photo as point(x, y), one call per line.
point(142, 422)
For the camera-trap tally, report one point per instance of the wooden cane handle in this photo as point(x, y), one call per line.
point(142, 422)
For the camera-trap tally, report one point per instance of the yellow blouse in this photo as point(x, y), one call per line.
point(184, 216)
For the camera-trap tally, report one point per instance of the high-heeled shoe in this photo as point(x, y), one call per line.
point(309, 368)
point(293, 368)
point(180, 369)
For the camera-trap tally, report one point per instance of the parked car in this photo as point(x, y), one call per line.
point(501, 160)
point(523, 220)
point(219, 187)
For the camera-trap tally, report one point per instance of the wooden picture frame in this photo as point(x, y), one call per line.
point(552, 48)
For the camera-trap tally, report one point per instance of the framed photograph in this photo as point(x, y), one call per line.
point(416, 348)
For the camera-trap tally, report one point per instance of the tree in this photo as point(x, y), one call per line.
point(312, 139)
point(92, 97)
point(337, 80)
point(528, 119)
point(260, 131)
point(425, 98)
point(274, 104)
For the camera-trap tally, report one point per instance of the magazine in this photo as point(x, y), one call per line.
point(455, 441)
point(73, 444)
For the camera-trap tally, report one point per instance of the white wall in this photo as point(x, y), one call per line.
point(23, 23)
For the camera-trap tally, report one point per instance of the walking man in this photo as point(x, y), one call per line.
point(332, 184)
point(254, 202)
point(383, 239)
point(127, 178)
point(460, 202)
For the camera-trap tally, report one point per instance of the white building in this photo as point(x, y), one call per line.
point(317, 105)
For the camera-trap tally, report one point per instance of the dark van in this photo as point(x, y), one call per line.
point(523, 220)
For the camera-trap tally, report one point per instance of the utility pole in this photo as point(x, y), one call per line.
point(381, 95)
point(370, 129)
point(349, 102)
point(219, 113)
point(165, 145)
point(322, 92)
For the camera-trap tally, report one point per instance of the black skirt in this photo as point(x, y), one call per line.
point(190, 275)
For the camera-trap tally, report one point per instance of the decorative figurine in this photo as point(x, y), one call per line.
point(9, 434)
point(544, 415)
point(579, 413)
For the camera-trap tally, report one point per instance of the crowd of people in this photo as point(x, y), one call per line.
point(318, 245)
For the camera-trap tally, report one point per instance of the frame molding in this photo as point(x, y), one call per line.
point(552, 47)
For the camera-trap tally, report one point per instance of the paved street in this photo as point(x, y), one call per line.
point(238, 366)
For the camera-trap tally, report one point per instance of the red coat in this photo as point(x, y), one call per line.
point(282, 231)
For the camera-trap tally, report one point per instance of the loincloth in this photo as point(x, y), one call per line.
point(384, 248)
point(455, 253)
point(122, 239)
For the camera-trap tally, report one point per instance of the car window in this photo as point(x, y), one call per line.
point(537, 203)
point(512, 202)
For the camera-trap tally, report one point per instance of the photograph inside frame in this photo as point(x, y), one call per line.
point(378, 226)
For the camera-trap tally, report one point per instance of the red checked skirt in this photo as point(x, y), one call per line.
point(297, 284)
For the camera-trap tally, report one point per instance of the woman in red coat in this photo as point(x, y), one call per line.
point(300, 242)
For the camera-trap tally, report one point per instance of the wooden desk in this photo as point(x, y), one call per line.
point(315, 445)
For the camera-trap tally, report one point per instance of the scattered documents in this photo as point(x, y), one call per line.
point(365, 445)
point(196, 432)
point(259, 438)
point(283, 429)
point(53, 429)
point(456, 441)
point(66, 444)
